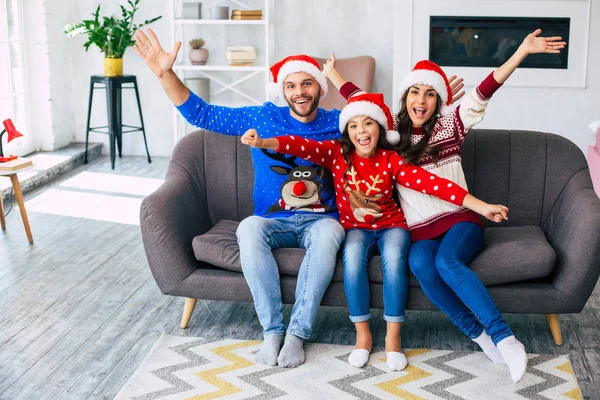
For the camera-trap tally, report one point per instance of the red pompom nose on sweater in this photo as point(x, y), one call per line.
point(299, 188)
point(369, 218)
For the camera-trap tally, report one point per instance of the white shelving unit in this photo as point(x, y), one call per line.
point(210, 71)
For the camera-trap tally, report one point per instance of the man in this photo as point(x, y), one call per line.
point(293, 205)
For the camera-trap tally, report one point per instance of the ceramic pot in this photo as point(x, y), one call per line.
point(198, 56)
point(113, 67)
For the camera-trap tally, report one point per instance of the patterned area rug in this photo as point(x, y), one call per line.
point(193, 368)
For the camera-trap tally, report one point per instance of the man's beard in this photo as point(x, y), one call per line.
point(313, 107)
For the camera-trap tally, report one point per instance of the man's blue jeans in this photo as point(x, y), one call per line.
point(257, 237)
point(440, 266)
point(360, 245)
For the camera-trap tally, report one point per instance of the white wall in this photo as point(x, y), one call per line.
point(316, 27)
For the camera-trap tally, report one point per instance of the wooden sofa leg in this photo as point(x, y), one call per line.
point(188, 308)
point(554, 323)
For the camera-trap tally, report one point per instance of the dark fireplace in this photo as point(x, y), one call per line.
point(490, 41)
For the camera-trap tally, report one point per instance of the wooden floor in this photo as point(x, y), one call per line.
point(79, 309)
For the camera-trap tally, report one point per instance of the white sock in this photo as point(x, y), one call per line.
point(358, 358)
point(514, 354)
point(396, 361)
point(489, 348)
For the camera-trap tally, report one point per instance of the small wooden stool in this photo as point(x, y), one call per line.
point(19, 196)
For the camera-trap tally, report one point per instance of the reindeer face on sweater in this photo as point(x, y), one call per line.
point(300, 189)
point(364, 205)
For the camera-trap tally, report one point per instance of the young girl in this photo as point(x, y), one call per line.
point(447, 237)
point(364, 169)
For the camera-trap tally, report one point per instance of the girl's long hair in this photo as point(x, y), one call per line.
point(413, 153)
point(348, 146)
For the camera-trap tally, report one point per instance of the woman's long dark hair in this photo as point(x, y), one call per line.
point(348, 146)
point(413, 153)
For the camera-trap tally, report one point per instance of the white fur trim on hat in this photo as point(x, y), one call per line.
point(445, 110)
point(425, 77)
point(294, 66)
point(393, 137)
point(365, 108)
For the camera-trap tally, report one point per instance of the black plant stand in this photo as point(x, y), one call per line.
point(115, 126)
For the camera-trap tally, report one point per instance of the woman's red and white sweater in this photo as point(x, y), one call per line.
point(364, 194)
point(428, 217)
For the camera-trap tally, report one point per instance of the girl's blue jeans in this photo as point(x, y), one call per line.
point(360, 245)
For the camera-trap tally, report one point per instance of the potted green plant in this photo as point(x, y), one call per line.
point(198, 55)
point(113, 35)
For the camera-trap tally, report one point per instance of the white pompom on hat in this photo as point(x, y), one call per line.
point(291, 65)
point(371, 105)
point(426, 72)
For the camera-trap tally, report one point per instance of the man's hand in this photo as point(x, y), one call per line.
point(155, 57)
point(251, 138)
point(456, 84)
point(329, 66)
point(533, 44)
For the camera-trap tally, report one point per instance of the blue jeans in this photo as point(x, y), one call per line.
point(440, 266)
point(258, 236)
point(360, 245)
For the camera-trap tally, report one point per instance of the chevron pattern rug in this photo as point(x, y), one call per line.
point(194, 368)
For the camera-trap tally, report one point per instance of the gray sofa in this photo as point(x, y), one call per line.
point(545, 259)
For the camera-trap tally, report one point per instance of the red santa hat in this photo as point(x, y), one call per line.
point(371, 105)
point(426, 72)
point(293, 64)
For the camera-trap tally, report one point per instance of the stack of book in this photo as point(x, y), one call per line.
point(246, 14)
point(15, 165)
point(240, 55)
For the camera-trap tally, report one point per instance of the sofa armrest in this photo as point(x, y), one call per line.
point(170, 218)
point(573, 230)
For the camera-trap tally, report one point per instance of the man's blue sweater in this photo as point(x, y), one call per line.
point(270, 121)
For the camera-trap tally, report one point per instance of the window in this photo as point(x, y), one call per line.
point(13, 85)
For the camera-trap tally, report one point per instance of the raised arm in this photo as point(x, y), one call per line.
point(161, 63)
point(251, 138)
point(332, 74)
point(532, 44)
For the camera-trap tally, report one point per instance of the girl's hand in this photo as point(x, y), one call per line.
point(155, 57)
point(533, 44)
point(495, 212)
point(456, 84)
point(251, 138)
point(329, 66)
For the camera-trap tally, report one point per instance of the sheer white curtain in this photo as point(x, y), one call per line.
point(13, 77)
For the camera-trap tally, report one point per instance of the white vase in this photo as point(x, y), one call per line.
point(218, 12)
point(198, 56)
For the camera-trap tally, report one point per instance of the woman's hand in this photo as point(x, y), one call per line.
point(456, 84)
point(329, 66)
point(533, 43)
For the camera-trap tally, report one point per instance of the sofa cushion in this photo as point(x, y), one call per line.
point(511, 254)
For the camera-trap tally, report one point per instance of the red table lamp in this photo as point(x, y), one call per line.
point(13, 133)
